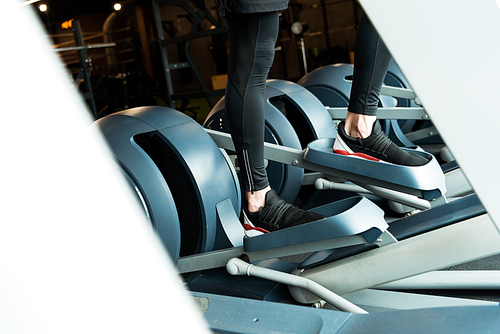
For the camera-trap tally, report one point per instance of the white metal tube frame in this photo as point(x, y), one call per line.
point(236, 266)
point(469, 240)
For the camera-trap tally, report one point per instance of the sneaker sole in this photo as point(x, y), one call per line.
point(250, 229)
point(340, 147)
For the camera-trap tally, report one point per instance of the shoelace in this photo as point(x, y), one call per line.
point(275, 212)
point(379, 144)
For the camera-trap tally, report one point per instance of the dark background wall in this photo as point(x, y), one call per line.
point(132, 73)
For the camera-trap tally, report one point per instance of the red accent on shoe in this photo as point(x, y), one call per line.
point(249, 227)
point(359, 155)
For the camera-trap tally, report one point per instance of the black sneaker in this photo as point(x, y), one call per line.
point(277, 214)
point(377, 147)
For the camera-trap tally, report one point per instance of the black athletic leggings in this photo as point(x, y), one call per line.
point(252, 38)
point(371, 61)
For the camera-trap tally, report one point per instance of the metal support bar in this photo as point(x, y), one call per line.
point(383, 301)
point(295, 157)
point(222, 139)
point(311, 178)
point(421, 134)
point(208, 260)
point(303, 52)
point(386, 113)
point(86, 47)
point(238, 267)
point(403, 93)
point(163, 53)
point(219, 258)
point(324, 184)
point(469, 240)
point(392, 195)
point(84, 67)
point(448, 280)
point(396, 196)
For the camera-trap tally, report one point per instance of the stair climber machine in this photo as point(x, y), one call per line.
point(187, 184)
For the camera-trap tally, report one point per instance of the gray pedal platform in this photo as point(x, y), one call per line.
point(351, 217)
point(424, 222)
point(352, 221)
point(425, 181)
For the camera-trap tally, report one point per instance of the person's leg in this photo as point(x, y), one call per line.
point(252, 38)
point(361, 134)
point(371, 61)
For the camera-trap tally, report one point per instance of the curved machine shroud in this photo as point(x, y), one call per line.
point(184, 188)
point(331, 84)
